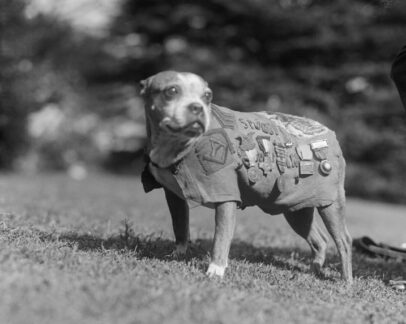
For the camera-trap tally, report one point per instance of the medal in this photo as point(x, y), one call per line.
point(304, 152)
point(266, 165)
point(306, 168)
point(253, 175)
point(320, 149)
point(280, 158)
point(325, 167)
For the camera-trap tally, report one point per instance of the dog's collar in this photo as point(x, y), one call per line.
point(174, 168)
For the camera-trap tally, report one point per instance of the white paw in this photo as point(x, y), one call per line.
point(215, 270)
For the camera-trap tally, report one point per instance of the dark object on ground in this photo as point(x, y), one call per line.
point(371, 248)
point(398, 284)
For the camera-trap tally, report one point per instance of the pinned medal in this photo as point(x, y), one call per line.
point(320, 149)
point(266, 165)
point(280, 157)
point(249, 152)
point(306, 168)
point(289, 163)
point(325, 167)
point(253, 175)
point(304, 152)
point(264, 144)
point(295, 160)
point(252, 156)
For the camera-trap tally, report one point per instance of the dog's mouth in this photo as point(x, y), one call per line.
point(192, 129)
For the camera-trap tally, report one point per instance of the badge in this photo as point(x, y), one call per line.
point(289, 163)
point(304, 152)
point(280, 158)
point(266, 165)
point(318, 144)
point(306, 168)
point(320, 149)
point(264, 144)
point(325, 167)
point(253, 175)
point(249, 152)
point(295, 160)
point(249, 158)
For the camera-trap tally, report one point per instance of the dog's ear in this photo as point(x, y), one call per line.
point(144, 86)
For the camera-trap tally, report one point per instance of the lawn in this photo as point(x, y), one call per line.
point(97, 251)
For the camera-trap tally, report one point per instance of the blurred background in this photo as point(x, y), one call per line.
point(69, 73)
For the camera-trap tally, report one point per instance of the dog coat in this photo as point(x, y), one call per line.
point(276, 161)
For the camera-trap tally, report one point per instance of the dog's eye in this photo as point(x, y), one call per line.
point(208, 96)
point(170, 92)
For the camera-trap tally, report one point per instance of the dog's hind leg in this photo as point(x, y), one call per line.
point(180, 221)
point(334, 218)
point(304, 224)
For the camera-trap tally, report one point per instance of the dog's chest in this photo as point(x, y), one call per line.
point(166, 178)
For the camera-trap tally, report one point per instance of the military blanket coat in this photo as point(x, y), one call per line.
point(278, 162)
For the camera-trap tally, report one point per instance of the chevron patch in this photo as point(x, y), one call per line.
point(225, 119)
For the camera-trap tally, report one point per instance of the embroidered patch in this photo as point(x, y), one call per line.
point(300, 124)
point(225, 119)
point(213, 151)
point(295, 125)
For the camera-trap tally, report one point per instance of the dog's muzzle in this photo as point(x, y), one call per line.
point(191, 129)
point(193, 122)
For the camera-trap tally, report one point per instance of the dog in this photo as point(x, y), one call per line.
point(204, 154)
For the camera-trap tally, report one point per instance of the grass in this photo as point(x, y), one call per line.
point(97, 251)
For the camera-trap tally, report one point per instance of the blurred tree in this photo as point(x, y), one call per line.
point(12, 116)
point(28, 50)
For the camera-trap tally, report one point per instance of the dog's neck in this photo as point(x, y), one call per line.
point(165, 150)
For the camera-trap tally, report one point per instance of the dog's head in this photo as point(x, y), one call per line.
point(177, 103)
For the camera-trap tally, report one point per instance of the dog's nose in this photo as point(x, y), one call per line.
point(195, 108)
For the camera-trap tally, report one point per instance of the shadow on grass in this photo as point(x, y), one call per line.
point(154, 247)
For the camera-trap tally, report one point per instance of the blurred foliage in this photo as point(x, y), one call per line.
point(328, 60)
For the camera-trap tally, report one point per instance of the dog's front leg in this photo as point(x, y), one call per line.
point(180, 221)
point(223, 234)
